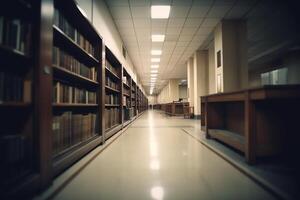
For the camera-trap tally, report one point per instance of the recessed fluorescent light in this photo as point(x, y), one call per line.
point(153, 75)
point(155, 59)
point(158, 38)
point(154, 71)
point(154, 66)
point(160, 12)
point(153, 78)
point(156, 52)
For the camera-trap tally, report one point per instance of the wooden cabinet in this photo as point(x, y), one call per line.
point(259, 122)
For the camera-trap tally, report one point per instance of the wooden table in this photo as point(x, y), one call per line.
point(258, 122)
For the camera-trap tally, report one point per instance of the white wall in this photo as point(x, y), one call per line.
point(98, 13)
point(183, 91)
point(211, 70)
point(152, 100)
point(170, 92)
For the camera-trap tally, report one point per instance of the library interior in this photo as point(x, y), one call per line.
point(149, 99)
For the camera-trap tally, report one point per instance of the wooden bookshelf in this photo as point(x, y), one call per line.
point(133, 97)
point(126, 99)
point(19, 162)
point(113, 94)
point(77, 73)
point(259, 122)
point(54, 105)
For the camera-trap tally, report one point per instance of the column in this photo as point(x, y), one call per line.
point(231, 67)
point(200, 64)
point(190, 81)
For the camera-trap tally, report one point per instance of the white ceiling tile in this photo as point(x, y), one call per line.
point(198, 11)
point(172, 31)
point(204, 30)
point(203, 2)
point(127, 32)
point(181, 2)
point(158, 30)
point(140, 11)
point(185, 38)
point(176, 22)
point(117, 3)
point(218, 11)
point(161, 2)
point(120, 12)
point(210, 22)
point(141, 22)
point(193, 22)
point(139, 2)
point(182, 44)
point(189, 31)
point(170, 37)
point(224, 2)
point(124, 23)
point(159, 23)
point(179, 11)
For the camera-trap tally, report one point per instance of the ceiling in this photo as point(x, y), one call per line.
point(188, 28)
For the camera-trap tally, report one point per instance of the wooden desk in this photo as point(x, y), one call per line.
point(259, 121)
point(174, 108)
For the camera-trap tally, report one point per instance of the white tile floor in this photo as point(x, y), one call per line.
point(155, 159)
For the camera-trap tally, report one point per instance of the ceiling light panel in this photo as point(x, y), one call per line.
point(160, 12)
point(156, 52)
point(154, 66)
point(155, 59)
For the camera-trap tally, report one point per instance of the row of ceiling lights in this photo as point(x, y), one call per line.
point(157, 12)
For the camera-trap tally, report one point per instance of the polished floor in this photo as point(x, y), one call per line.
point(155, 159)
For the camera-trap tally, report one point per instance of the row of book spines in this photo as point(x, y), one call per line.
point(115, 70)
point(15, 34)
point(14, 88)
point(62, 59)
point(112, 84)
point(126, 101)
point(112, 117)
point(69, 129)
point(111, 99)
point(72, 95)
point(61, 22)
point(12, 149)
point(125, 80)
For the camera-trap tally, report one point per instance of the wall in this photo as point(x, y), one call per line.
point(170, 92)
point(211, 69)
point(182, 91)
point(98, 13)
point(152, 100)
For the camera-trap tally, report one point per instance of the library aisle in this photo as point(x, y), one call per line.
point(155, 159)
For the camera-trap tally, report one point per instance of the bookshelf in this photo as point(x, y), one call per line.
point(17, 107)
point(113, 94)
point(58, 94)
point(133, 97)
point(76, 85)
point(126, 99)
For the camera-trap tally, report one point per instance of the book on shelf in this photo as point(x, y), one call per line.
point(15, 34)
point(111, 83)
point(14, 88)
point(111, 99)
point(124, 79)
point(67, 94)
point(111, 68)
point(111, 117)
point(12, 149)
point(70, 129)
point(63, 24)
point(64, 60)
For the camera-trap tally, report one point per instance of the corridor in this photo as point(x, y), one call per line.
point(155, 159)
